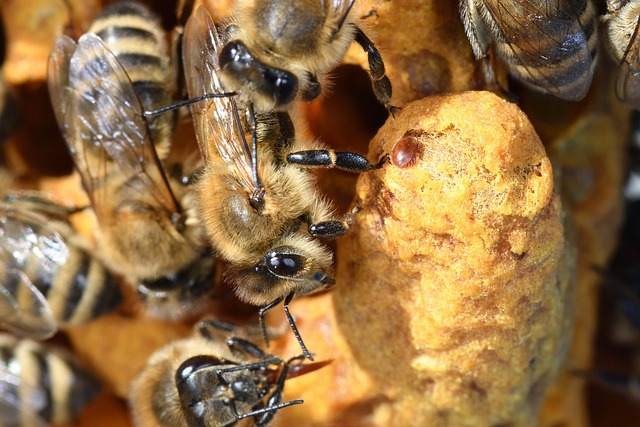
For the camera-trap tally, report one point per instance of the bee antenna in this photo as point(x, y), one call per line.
point(294, 328)
point(292, 323)
point(263, 324)
point(186, 102)
point(272, 408)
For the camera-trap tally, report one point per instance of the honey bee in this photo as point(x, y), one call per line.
point(621, 24)
point(48, 278)
point(146, 229)
point(549, 45)
point(252, 223)
point(212, 380)
point(41, 385)
point(279, 51)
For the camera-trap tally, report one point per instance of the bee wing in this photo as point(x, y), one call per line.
point(23, 308)
point(20, 402)
point(337, 13)
point(548, 43)
point(103, 123)
point(628, 81)
point(217, 121)
point(58, 78)
point(28, 247)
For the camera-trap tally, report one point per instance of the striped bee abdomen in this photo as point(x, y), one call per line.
point(83, 289)
point(549, 45)
point(41, 385)
point(557, 54)
point(134, 35)
point(47, 278)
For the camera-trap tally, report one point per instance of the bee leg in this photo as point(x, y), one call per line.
point(273, 403)
point(267, 410)
point(321, 222)
point(257, 198)
point(211, 328)
point(381, 83)
point(234, 411)
point(247, 347)
point(329, 228)
point(492, 82)
point(299, 358)
point(344, 160)
point(312, 89)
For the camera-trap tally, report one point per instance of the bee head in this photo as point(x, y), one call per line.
point(206, 394)
point(299, 264)
point(243, 70)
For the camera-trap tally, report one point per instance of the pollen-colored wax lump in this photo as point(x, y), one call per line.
point(454, 287)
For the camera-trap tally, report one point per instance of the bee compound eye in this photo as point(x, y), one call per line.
point(234, 53)
point(283, 84)
point(287, 265)
point(194, 364)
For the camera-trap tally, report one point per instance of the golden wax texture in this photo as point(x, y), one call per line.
point(451, 285)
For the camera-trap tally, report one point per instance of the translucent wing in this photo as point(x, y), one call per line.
point(23, 308)
point(337, 13)
point(30, 255)
point(628, 81)
point(102, 121)
point(58, 79)
point(20, 402)
point(547, 44)
point(219, 129)
point(38, 202)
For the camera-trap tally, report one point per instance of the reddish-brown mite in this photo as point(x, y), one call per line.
point(406, 152)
